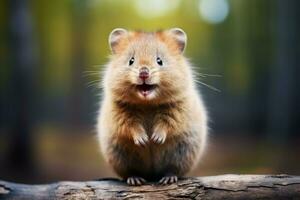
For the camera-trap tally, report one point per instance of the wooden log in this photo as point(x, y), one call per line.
point(210, 187)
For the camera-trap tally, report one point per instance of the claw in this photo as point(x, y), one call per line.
point(134, 181)
point(159, 137)
point(141, 139)
point(168, 180)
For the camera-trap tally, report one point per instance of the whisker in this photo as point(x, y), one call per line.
point(94, 83)
point(91, 72)
point(207, 85)
point(207, 75)
point(91, 75)
point(97, 66)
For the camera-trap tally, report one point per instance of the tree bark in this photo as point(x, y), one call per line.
point(210, 187)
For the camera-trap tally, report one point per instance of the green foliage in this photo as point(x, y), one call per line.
point(238, 48)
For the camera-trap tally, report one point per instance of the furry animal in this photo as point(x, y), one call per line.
point(152, 124)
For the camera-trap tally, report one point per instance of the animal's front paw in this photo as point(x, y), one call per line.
point(135, 181)
point(159, 136)
point(140, 139)
point(168, 180)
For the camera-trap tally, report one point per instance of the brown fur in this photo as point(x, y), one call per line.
point(174, 112)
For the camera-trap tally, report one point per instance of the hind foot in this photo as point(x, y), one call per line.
point(168, 180)
point(134, 181)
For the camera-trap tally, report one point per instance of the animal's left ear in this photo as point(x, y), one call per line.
point(115, 37)
point(180, 37)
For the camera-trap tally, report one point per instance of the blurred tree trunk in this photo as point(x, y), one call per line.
point(21, 87)
point(77, 95)
point(283, 83)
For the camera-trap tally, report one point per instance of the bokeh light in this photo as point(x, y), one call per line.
point(213, 11)
point(155, 8)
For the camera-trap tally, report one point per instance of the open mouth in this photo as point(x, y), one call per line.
point(146, 89)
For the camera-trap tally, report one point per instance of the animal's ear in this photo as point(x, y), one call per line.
point(180, 37)
point(115, 37)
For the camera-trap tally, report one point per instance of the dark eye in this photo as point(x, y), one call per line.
point(159, 61)
point(131, 61)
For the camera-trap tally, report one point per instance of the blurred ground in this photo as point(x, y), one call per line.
point(74, 155)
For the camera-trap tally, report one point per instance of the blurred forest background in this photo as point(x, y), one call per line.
point(49, 95)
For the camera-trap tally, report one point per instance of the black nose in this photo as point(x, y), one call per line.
point(144, 73)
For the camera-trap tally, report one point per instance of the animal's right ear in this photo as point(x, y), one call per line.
point(180, 37)
point(115, 37)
